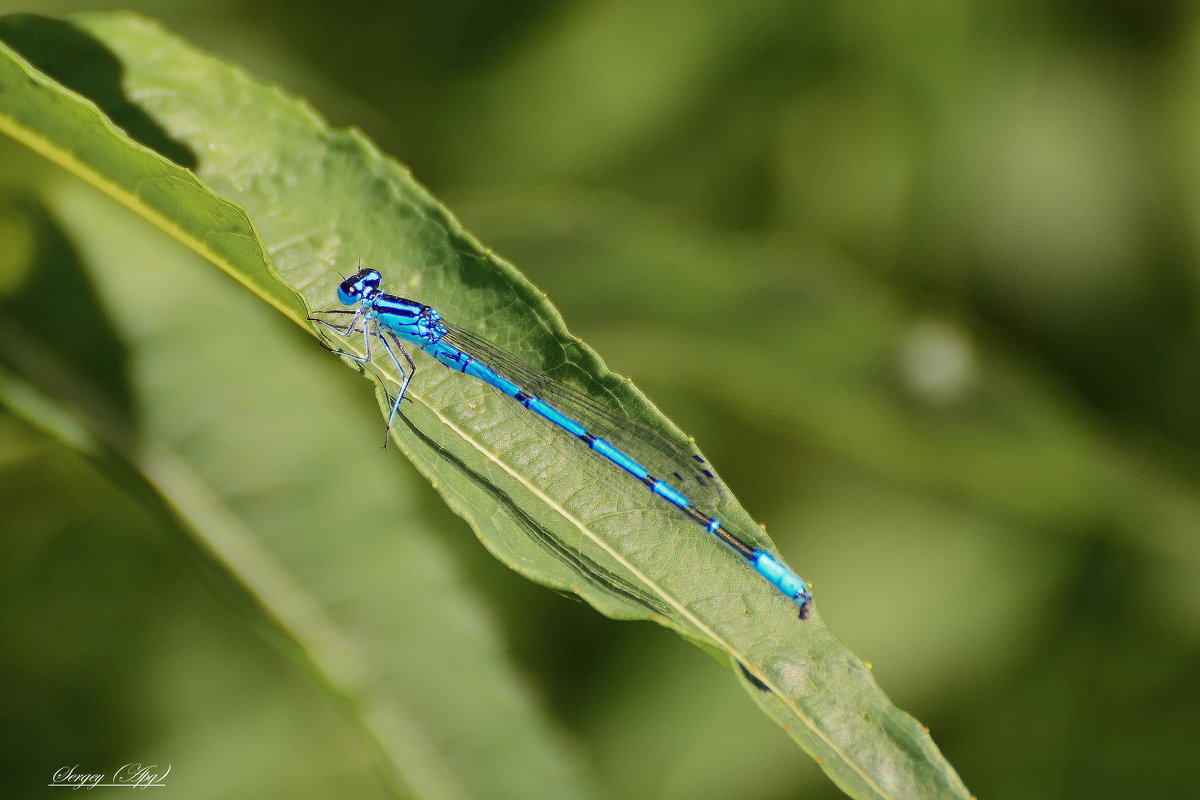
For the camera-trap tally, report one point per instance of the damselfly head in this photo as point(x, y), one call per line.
point(362, 285)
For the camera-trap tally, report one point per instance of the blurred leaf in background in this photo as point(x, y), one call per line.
point(927, 278)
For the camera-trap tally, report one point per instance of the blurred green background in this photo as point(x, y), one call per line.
point(921, 279)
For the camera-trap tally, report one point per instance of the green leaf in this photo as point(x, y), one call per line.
point(247, 476)
point(142, 115)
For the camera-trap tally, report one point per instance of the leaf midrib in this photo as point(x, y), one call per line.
point(667, 597)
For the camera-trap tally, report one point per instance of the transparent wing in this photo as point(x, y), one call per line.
point(677, 464)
